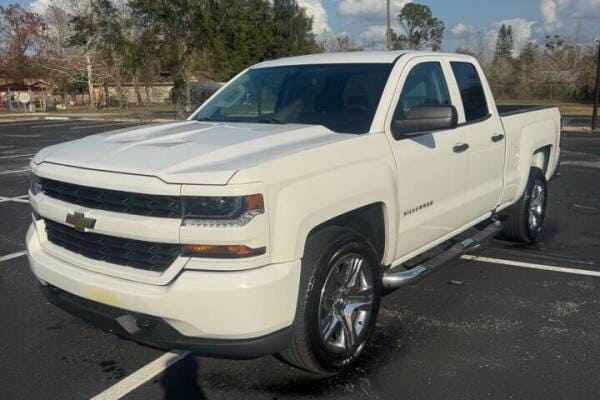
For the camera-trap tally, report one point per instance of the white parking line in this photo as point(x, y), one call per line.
point(17, 156)
point(522, 264)
point(141, 376)
point(25, 122)
point(13, 255)
point(17, 199)
point(14, 171)
point(102, 125)
point(66, 123)
point(44, 124)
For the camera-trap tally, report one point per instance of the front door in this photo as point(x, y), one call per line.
point(431, 172)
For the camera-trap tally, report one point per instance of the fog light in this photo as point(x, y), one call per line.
point(145, 323)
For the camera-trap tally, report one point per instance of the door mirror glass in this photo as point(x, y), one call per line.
point(425, 119)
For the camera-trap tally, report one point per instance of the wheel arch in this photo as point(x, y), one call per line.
point(368, 221)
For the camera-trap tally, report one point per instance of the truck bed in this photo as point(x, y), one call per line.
point(506, 110)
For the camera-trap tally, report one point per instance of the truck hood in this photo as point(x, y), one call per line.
point(190, 151)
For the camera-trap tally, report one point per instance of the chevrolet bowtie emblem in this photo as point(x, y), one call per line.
point(80, 222)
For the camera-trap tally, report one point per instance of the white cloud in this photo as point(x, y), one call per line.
point(483, 40)
point(370, 9)
point(557, 13)
point(315, 10)
point(462, 31)
point(374, 37)
point(548, 9)
point(39, 6)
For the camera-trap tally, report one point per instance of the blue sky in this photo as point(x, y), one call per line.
point(469, 23)
point(466, 20)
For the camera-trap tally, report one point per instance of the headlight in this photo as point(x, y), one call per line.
point(221, 211)
point(35, 186)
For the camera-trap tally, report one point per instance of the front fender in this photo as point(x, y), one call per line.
point(308, 203)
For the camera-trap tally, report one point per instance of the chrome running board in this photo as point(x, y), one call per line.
point(394, 280)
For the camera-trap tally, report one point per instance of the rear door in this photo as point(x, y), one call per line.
point(431, 173)
point(485, 137)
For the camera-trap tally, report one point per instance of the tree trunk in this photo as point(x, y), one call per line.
point(188, 96)
point(105, 100)
point(179, 97)
point(136, 89)
point(148, 99)
point(90, 80)
point(118, 88)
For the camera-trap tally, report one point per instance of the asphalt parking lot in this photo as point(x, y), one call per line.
point(513, 322)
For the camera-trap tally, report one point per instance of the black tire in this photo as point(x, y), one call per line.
point(325, 250)
point(517, 226)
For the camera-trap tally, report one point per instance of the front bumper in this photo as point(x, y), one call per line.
point(156, 332)
point(236, 314)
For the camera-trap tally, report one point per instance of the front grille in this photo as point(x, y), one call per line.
point(148, 205)
point(131, 253)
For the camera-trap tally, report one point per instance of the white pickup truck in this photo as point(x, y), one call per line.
point(273, 220)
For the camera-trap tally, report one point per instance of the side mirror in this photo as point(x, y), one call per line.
point(425, 119)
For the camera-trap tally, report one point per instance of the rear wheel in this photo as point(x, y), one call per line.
point(338, 304)
point(525, 218)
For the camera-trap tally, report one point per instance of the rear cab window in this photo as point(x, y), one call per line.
point(471, 91)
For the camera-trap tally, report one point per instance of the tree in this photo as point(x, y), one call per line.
point(527, 71)
point(101, 30)
point(331, 42)
point(172, 28)
point(217, 39)
point(421, 29)
point(243, 32)
point(505, 42)
point(21, 36)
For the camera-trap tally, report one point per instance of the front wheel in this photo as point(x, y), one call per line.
point(340, 292)
point(525, 218)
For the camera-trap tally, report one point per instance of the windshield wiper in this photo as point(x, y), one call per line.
point(270, 120)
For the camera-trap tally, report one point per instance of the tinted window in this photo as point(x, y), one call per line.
point(471, 91)
point(424, 85)
point(342, 97)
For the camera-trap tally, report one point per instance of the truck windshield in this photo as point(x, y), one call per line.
point(341, 97)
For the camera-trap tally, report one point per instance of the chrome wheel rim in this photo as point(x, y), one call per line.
point(536, 207)
point(346, 304)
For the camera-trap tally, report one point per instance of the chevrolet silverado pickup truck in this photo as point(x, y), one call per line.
point(276, 217)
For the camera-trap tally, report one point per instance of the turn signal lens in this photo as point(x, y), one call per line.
point(221, 251)
point(255, 203)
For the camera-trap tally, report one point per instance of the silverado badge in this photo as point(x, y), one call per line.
point(80, 222)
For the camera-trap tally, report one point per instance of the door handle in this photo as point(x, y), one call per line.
point(460, 147)
point(497, 137)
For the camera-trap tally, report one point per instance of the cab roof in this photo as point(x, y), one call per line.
point(350, 57)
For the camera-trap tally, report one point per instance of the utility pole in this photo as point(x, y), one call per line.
point(388, 33)
point(597, 94)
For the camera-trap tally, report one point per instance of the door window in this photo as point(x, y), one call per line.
point(425, 85)
point(471, 91)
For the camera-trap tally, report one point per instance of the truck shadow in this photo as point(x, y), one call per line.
point(180, 381)
point(198, 378)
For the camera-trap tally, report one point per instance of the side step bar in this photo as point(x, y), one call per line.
point(395, 280)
